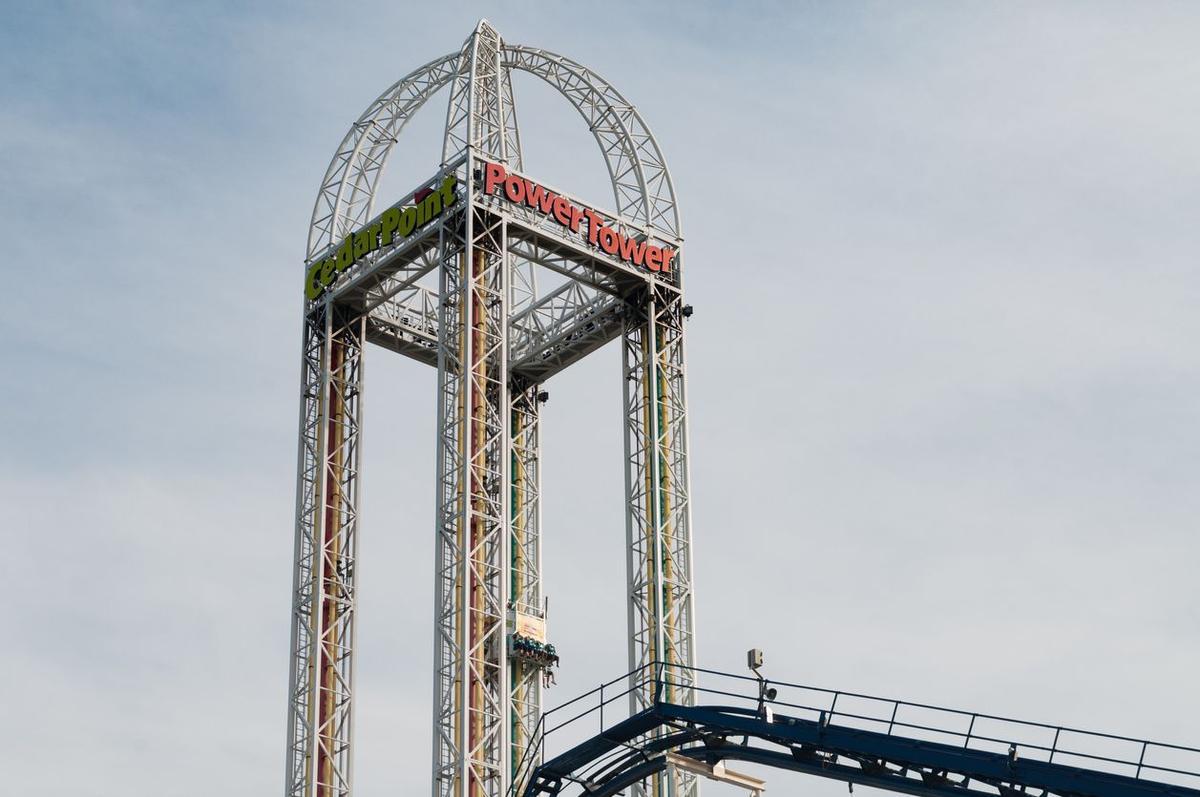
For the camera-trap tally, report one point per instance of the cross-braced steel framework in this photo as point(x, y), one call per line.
point(460, 291)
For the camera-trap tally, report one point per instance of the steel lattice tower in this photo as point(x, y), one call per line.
point(456, 287)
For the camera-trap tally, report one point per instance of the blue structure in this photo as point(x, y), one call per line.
point(909, 748)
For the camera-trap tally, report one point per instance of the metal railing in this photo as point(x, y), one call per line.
point(649, 676)
point(1055, 744)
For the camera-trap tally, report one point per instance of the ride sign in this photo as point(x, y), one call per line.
point(395, 223)
point(522, 190)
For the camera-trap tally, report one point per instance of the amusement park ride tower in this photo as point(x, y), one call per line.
point(455, 275)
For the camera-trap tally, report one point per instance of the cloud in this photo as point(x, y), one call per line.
point(942, 367)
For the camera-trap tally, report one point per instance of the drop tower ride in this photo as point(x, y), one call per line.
point(499, 281)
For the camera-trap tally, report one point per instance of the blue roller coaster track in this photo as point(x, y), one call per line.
point(910, 748)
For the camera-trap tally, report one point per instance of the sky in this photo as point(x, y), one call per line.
point(944, 377)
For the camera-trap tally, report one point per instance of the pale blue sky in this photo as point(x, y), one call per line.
point(944, 371)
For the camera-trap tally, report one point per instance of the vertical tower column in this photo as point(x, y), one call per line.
point(323, 604)
point(525, 570)
point(482, 472)
point(471, 680)
point(658, 510)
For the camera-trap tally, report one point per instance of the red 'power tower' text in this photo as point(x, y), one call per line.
point(611, 240)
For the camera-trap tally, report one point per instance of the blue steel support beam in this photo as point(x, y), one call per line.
point(880, 760)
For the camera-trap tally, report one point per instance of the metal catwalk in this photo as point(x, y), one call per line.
point(911, 748)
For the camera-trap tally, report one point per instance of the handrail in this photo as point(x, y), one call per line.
point(543, 728)
point(891, 720)
point(960, 712)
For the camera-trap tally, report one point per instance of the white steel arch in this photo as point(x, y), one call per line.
point(641, 181)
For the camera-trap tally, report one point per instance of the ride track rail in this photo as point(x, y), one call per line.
point(901, 746)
